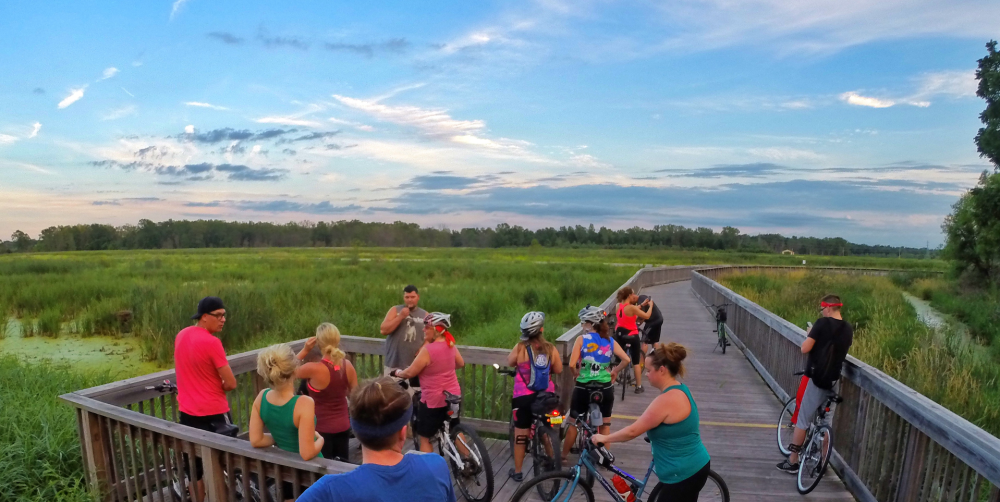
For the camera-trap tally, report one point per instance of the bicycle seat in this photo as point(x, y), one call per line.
point(836, 399)
point(646, 438)
point(452, 398)
point(596, 396)
point(799, 373)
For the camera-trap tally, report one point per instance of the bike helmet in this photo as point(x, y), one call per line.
point(531, 324)
point(592, 314)
point(438, 319)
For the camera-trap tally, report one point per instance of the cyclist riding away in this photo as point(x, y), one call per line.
point(435, 364)
point(380, 412)
point(402, 327)
point(289, 418)
point(627, 314)
point(826, 344)
point(650, 327)
point(535, 360)
point(203, 375)
point(329, 382)
point(680, 459)
point(589, 360)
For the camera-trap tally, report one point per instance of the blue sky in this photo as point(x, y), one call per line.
point(849, 118)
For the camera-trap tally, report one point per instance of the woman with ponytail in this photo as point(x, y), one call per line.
point(435, 364)
point(290, 418)
point(328, 382)
point(680, 459)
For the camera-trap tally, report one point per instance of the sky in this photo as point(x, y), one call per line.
point(850, 118)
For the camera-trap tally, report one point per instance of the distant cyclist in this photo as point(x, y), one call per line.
point(380, 412)
point(290, 418)
point(680, 459)
point(826, 344)
point(329, 382)
point(627, 314)
point(435, 364)
point(650, 327)
point(590, 361)
point(536, 360)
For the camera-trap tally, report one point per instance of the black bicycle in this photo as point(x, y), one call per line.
point(544, 444)
point(815, 455)
point(626, 377)
point(720, 325)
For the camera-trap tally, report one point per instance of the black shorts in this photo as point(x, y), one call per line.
point(581, 399)
point(651, 332)
point(634, 349)
point(336, 445)
point(210, 423)
point(686, 490)
point(431, 420)
point(522, 410)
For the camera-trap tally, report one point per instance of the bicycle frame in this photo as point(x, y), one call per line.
point(586, 463)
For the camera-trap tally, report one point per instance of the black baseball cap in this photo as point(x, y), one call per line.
point(207, 305)
point(642, 298)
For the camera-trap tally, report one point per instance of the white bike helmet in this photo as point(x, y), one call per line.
point(531, 324)
point(438, 319)
point(592, 314)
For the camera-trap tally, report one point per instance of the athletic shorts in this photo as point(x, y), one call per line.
point(634, 349)
point(522, 410)
point(335, 445)
point(686, 490)
point(651, 332)
point(210, 423)
point(812, 399)
point(431, 420)
point(581, 400)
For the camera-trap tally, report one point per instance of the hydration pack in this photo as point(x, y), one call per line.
point(539, 371)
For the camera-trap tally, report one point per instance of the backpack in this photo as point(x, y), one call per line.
point(539, 366)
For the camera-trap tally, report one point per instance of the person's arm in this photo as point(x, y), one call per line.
point(228, 378)
point(459, 362)
point(557, 365)
point(310, 443)
point(419, 363)
point(352, 375)
point(513, 356)
point(258, 439)
point(574, 357)
point(810, 341)
point(306, 348)
point(625, 360)
point(218, 357)
point(316, 373)
point(654, 415)
point(638, 312)
point(392, 320)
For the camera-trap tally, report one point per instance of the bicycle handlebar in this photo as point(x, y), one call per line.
point(504, 371)
point(164, 387)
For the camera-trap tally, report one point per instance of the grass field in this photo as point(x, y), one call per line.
point(945, 366)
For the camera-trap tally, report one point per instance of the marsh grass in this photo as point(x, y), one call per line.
point(947, 367)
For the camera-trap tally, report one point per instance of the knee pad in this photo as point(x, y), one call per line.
point(520, 439)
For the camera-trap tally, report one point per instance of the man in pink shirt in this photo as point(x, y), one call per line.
point(203, 374)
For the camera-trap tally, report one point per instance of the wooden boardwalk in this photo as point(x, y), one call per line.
point(738, 412)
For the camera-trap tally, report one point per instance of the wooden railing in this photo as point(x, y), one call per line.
point(134, 449)
point(891, 443)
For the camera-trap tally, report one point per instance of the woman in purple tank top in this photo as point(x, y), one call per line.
point(329, 381)
point(435, 364)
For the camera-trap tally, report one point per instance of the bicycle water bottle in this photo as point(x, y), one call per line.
point(623, 489)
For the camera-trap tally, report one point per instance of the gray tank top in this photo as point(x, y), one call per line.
point(402, 345)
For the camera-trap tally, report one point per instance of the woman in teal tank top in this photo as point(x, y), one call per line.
point(680, 460)
point(291, 419)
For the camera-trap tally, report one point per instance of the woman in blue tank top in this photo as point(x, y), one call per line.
point(671, 422)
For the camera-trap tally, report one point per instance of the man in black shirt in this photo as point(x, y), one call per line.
point(650, 327)
point(826, 344)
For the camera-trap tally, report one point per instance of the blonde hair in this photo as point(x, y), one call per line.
point(276, 364)
point(328, 338)
point(671, 355)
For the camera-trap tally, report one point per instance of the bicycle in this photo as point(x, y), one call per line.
point(627, 376)
point(568, 482)
point(180, 482)
point(720, 325)
point(815, 455)
point(544, 444)
point(786, 422)
point(463, 449)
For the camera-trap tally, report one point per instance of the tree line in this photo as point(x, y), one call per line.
point(185, 234)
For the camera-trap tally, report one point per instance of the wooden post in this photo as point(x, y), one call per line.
point(94, 445)
point(214, 478)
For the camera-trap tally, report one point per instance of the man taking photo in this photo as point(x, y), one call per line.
point(826, 344)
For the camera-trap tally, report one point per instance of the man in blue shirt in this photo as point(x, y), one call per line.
point(380, 412)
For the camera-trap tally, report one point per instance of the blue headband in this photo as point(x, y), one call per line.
point(381, 431)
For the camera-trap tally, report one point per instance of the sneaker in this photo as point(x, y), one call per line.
point(788, 467)
point(516, 476)
point(639, 390)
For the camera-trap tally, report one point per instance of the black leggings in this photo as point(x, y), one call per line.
point(685, 491)
point(335, 445)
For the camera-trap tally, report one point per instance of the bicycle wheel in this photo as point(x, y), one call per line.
point(624, 381)
point(813, 460)
point(715, 490)
point(546, 441)
point(786, 429)
point(475, 477)
point(722, 337)
point(567, 489)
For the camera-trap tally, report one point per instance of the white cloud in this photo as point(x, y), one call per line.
point(289, 121)
point(109, 72)
point(784, 154)
point(129, 93)
point(24, 165)
point(205, 105)
point(189, 129)
point(357, 125)
point(119, 113)
point(176, 8)
point(74, 96)
point(432, 122)
point(37, 126)
point(6, 139)
point(856, 99)
point(955, 84)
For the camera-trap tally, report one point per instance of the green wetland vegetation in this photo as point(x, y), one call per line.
point(946, 365)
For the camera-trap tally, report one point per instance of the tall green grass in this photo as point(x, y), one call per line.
point(39, 448)
point(946, 367)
